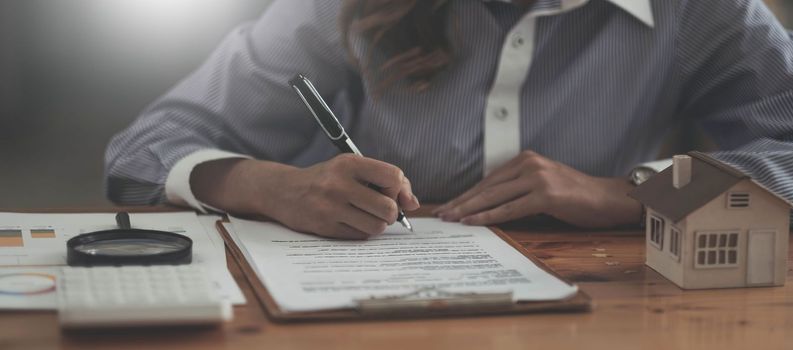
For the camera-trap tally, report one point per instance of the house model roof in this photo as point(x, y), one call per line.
point(709, 178)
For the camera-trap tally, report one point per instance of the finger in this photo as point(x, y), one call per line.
point(512, 210)
point(525, 162)
point(489, 198)
point(361, 220)
point(507, 172)
point(439, 211)
point(406, 199)
point(387, 177)
point(522, 163)
point(402, 192)
point(471, 192)
point(499, 176)
point(373, 202)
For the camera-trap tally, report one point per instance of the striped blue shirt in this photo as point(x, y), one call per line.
point(592, 84)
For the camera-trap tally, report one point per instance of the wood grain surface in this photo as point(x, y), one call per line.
point(635, 308)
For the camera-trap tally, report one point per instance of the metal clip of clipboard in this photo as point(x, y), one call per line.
point(432, 299)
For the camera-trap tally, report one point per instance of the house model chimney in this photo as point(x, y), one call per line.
point(681, 171)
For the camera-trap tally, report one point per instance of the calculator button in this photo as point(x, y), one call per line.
point(138, 295)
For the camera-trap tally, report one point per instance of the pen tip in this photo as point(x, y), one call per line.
point(407, 224)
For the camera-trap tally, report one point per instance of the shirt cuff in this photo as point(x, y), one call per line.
point(658, 165)
point(177, 185)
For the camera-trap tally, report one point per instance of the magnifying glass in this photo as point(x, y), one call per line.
point(128, 246)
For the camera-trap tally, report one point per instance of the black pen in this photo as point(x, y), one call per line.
point(331, 126)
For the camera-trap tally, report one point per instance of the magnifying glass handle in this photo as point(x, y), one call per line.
point(122, 219)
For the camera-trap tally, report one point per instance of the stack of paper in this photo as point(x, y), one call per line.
point(308, 273)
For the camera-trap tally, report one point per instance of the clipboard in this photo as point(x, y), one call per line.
point(418, 304)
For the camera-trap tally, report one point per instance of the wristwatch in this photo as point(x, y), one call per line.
point(640, 174)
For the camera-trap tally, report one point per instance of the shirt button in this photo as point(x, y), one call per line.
point(502, 113)
point(517, 41)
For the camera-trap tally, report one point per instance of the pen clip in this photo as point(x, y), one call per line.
point(329, 124)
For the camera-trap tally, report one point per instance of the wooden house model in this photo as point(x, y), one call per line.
point(709, 225)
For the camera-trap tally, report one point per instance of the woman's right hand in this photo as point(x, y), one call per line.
point(331, 199)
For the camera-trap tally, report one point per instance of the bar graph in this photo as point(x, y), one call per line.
point(11, 238)
point(42, 233)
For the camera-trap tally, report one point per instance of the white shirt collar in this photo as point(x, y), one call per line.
point(640, 9)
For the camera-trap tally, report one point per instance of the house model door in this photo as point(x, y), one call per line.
point(760, 257)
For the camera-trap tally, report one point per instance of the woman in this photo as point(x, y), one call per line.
point(499, 109)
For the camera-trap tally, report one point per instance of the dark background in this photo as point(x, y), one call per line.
point(75, 72)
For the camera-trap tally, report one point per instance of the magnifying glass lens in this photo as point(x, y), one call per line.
point(129, 247)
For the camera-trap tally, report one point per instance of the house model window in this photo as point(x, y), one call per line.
point(716, 249)
point(738, 200)
point(674, 242)
point(657, 232)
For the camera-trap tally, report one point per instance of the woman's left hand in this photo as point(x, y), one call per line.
point(531, 184)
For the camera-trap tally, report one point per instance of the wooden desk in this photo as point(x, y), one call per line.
point(635, 308)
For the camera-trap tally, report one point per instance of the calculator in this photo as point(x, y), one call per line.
point(101, 297)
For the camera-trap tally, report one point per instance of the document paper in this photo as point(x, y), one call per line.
point(39, 240)
point(308, 273)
